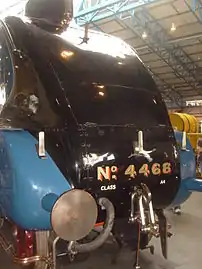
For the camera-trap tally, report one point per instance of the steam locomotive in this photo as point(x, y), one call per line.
point(85, 141)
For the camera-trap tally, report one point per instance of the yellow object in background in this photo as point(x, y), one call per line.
point(193, 138)
point(187, 123)
point(184, 122)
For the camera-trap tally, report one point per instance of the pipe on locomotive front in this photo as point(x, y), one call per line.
point(76, 247)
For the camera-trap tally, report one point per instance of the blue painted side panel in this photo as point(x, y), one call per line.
point(29, 185)
point(194, 185)
point(25, 179)
point(187, 170)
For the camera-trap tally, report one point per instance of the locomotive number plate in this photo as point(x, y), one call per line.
point(155, 169)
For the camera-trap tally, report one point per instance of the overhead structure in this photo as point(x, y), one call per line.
point(12, 7)
point(166, 34)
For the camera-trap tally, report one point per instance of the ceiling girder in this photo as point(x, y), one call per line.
point(196, 7)
point(168, 92)
point(175, 96)
point(16, 8)
point(173, 55)
point(107, 8)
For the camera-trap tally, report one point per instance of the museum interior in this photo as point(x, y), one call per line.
point(101, 169)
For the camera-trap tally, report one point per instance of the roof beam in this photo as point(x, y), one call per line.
point(107, 8)
point(79, 6)
point(168, 92)
point(196, 7)
point(14, 9)
point(173, 41)
point(172, 55)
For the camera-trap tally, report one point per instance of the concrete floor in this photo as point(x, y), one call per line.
point(185, 247)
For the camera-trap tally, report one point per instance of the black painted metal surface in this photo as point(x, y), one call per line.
point(90, 102)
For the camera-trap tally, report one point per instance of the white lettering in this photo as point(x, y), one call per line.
point(108, 188)
point(163, 182)
point(194, 103)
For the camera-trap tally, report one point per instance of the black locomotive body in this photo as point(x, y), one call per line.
point(106, 126)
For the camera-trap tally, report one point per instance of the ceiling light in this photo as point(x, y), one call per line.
point(144, 35)
point(173, 27)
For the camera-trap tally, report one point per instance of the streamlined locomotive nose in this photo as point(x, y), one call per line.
point(74, 215)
